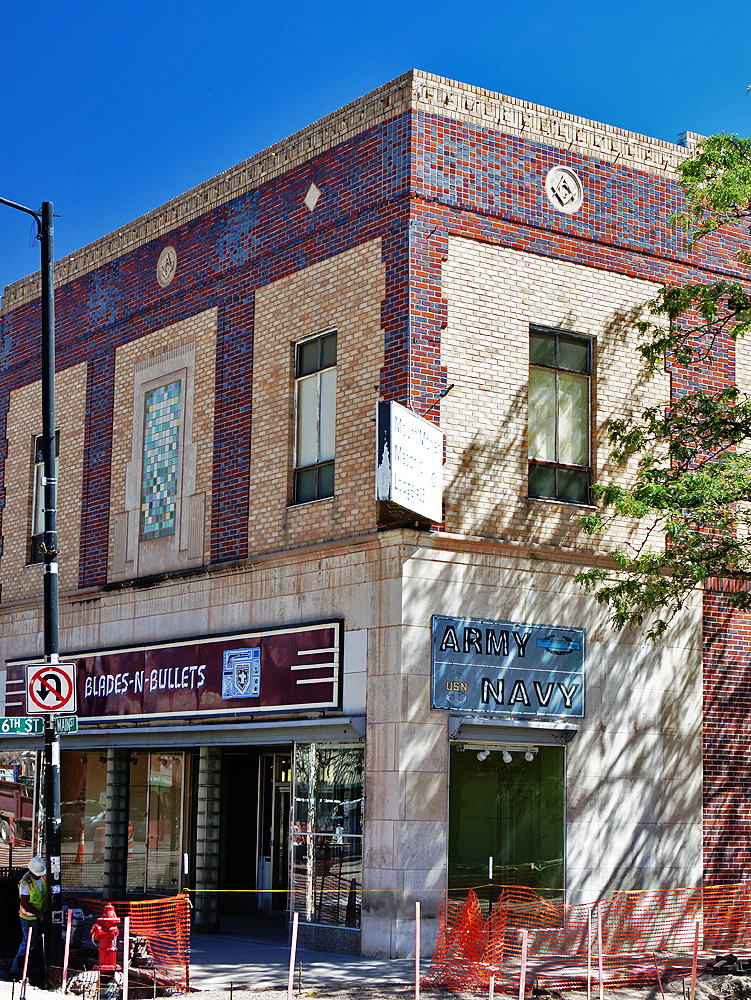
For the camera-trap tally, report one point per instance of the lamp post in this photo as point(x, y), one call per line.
point(52, 927)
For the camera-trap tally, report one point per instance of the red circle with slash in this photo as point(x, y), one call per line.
point(55, 682)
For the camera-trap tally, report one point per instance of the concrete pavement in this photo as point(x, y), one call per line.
point(216, 960)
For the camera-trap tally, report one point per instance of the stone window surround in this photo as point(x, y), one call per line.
point(133, 556)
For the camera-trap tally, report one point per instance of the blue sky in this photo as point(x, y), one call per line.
point(110, 110)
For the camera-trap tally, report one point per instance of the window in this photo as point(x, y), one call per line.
point(37, 500)
point(559, 375)
point(161, 452)
point(315, 418)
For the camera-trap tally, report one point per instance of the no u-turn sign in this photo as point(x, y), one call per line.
point(50, 687)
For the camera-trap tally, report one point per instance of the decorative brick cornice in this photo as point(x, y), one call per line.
point(436, 95)
point(422, 92)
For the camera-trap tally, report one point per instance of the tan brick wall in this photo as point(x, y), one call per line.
point(200, 331)
point(342, 294)
point(19, 580)
point(494, 295)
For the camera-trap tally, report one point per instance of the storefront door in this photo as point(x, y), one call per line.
point(274, 774)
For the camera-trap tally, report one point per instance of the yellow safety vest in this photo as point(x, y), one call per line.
point(37, 896)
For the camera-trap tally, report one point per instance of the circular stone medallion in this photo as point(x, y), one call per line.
point(166, 268)
point(564, 190)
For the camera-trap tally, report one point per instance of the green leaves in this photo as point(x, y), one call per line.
point(684, 322)
point(690, 497)
point(717, 185)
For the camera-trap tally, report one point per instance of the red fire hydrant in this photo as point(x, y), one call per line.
point(106, 931)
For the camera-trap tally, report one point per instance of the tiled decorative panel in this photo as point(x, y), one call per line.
point(161, 444)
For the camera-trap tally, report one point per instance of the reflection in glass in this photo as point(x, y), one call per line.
point(327, 834)
point(83, 797)
point(573, 419)
point(542, 414)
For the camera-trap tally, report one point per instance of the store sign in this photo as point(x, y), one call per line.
point(275, 670)
point(507, 668)
point(409, 465)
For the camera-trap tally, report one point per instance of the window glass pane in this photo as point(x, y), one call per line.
point(511, 812)
point(328, 414)
point(573, 352)
point(37, 525)
point(542, 414)
point(573, 485)
point(138, 796)
point(542, 481)
point(573, 419)
point(161, 451)
point(305, 485)
point(327, 834)
point(541, 348)
point(307, 420)
point(307, 357)
point(326, 480)
point(83, 796)
point(164, 848)
point(328, 350)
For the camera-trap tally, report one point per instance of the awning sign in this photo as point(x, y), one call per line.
point(507, 668)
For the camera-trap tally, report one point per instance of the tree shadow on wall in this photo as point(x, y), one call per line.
point(487, 493)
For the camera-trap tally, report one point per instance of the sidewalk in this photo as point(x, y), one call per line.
point(216, 960)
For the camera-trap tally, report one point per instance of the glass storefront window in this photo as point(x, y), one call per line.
point(154, 823)
point(83, 797)
point(165, 809)
point(509, 811)
point(155, 809)
point(327, 834)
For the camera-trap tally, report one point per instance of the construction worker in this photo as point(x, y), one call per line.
point(32, 898)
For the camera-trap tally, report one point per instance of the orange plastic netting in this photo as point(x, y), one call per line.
point(630, 935)
point(165, 926)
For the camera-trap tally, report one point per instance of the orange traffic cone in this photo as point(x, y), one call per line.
point(81, 852)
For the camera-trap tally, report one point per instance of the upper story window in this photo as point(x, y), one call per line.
point(315, 418)
point(36, 533)
point(560, 367)
point(161, 453)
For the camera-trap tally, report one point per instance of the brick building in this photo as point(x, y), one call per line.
point(280, 663)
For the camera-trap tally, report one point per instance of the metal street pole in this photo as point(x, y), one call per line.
point(52, 926)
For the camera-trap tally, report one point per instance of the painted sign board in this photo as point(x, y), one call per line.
point(289, 669)
point(507, 668)
point(409, 462)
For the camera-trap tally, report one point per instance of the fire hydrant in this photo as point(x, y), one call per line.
point(106, 931)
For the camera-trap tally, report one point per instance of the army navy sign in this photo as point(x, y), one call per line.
point(507, 668)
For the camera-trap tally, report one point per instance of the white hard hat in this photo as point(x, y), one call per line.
point(37, 867)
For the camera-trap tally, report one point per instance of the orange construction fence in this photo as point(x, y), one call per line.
point(165, 926)
point(626, 939)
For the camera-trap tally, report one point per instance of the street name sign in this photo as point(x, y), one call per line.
point(21, 725)
point(24, 725)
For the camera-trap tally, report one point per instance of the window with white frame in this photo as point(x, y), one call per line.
point(36, 532)
point(560, 367)
point(315, 417)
